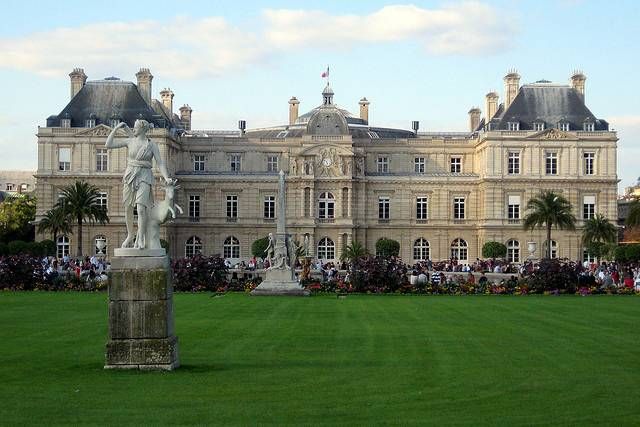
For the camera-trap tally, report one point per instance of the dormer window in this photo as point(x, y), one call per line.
point(589, 126)
point(65, 123)
point(89, 123)
point(513, 126)
point(538, 126)
point(563, 126)
point(114, 122)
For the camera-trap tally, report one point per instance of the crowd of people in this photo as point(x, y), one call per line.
point(89, 268)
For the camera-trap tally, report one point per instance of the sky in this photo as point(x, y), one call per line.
point(427, 60)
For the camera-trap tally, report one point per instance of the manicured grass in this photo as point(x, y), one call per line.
point(320, 360)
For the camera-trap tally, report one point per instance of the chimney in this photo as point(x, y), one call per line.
point(364, 109)
point(415, 125)
point(145, 77)
point(167, 99)
point(242, 125)
point(78, 79)
point(511, 87)
point(293, 110)
point(577, 82)
point(185, 116)
point(474, 119)
point(491, 106)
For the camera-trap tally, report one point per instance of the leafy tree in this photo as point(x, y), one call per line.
point(549, 209)
point(259, 247)
point(16, 215)
point(633, 217)
point(632, 252)
point(80, 202)
point(56, 221)
point(494, 250)
point(619, 254)
point(353, 251)
point(387, 247)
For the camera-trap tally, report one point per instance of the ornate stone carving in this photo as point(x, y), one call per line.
point(554, 134)
point(328, 162)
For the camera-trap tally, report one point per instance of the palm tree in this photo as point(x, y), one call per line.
point(353, 251)
point(633, 217)
point(80, 202)
point(55, 221)
point(598, 229)
point(549, 209)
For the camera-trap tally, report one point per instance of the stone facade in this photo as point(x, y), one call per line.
point(438, 194)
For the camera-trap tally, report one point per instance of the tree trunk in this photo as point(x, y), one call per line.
point(548, 254)
point(79, 236)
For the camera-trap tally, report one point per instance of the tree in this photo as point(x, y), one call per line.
point(259, 247)
point(494, 250)
point(598, 235)
point(633, 217)
point(387, 247)
point(80, 202)
point(56, 221)
point(16, 215)
point(353, 251)
point(549, 209)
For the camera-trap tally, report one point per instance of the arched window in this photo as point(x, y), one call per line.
point(193, 246)
point(231, 247)
point(459, 249)
point(421, 250)
point(326, 206)
point(326, 249)
point(513, 251)
point(554, 249)
point(62, 246)
point(100, 245)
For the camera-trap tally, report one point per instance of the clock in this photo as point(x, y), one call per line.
point(326, 161)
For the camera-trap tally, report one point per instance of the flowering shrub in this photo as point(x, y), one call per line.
point(199, 273)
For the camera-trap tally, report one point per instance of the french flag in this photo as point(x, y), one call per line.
point(325, 73)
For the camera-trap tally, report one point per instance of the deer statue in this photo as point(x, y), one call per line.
point(160, 213)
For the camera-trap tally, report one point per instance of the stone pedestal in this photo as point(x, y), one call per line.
point(141, 334)
point(279, 282)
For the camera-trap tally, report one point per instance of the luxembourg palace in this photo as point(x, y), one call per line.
point(440, 194)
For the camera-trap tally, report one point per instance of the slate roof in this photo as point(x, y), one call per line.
point(111, 98)
point(549, 103)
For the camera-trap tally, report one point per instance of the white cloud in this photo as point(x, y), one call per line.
point(203, 47)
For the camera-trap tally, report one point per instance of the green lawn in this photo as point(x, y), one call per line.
point(320, 360)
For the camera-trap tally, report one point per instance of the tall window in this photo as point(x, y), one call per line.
point(456, 164)
point(384, 207)
point(199, 161)
point(269, 207)
point(272, 163)
point(513, 251)
point(554, 249)
point(89, 123)
point(459, 249)
point(10, 187)
point(100, 245)
point(64, 159)
point(102, 164)
point(513, 163)
point(231, 247)
point(232, 206)
point(193, 246)
point(458, 208)
point(513, 208)
point(563, 126)
point(422, 208)
point(326, 249)
point(513, 126)
point(194, 208)
point(589, 126)
point(234, 162)
point(65, 123)
point(587, 257)
point(588, 207)
point(538, 126)
point(588, 162)
point(419, 164)
point(421, 250)
point(326, 206)
point(383, 164)
point(103, 199)
point(62, 246)
point(551, 163)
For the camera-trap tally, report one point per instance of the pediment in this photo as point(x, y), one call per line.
point(99, 130)
point(320, 149)
point(552, 133)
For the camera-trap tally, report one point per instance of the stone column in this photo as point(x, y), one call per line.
point(141, 333)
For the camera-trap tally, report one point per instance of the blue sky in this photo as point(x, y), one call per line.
point(428, 61)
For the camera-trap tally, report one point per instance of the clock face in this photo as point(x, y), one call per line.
point(326, 161)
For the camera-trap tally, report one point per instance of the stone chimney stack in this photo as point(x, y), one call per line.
point(185, 116)
point(78, 79)
point(145, 77)
point(293, 110)
point(364, 109)
point(577, 82)
point(474, 118)
point(167, 99)
point(511, 87)
point(491, 106)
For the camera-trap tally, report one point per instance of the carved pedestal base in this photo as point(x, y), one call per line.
point(141, 334)
point(279, 282)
